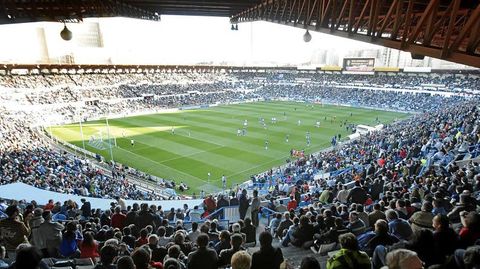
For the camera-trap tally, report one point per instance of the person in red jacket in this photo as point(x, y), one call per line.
point(143, 239)
point(210, 204)
point(292, 204)
point(49, 206)
point(118, 219)
point(89, 247)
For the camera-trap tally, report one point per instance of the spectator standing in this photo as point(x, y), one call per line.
point(255, 208)
point(49, 205)
point(357, 195)
point(121, 203)
point(210, 204)
point(243, 204)
point(132, 215)
point(445, 240)
point(292, 204)
point(35, 222)
point(144, 218)
point(86, 209)
point(342, 194)
point(470, 232)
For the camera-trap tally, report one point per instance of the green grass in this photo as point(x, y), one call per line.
point(206, 141)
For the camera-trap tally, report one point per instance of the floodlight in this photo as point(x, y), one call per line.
point(307, 36)
point(66, 34)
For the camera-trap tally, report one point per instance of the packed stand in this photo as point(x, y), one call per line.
point(402, 202)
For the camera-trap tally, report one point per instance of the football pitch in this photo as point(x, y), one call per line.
point(188, 145)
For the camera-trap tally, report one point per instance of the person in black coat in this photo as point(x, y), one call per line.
point(233, 199)
point(203, 257)
point(222, 202)
point(225, 256)
point(357, 195)
point(268, 256)
point(244, 203)
point(304, 233)
point(376, 189)
point(132, 215)
point(86, 208)
point(250, 231)
point(144, 218)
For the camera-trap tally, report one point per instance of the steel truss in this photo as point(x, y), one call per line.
point(448, 30)
point(18, 11)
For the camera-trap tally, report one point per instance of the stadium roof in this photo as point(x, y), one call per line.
point(18, 11)
point(224, 8)
point(14, 11)
point(445, 29)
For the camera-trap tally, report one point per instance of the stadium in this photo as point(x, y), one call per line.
point(240, 134)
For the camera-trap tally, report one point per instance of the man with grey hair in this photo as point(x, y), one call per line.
point(403, 259)
point(236, 229)
point(157, 251)
point(241, 260)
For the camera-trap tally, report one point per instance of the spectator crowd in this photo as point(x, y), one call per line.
point(405, 197)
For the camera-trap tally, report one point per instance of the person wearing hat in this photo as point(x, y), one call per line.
point(464, 204)
point(50, 235)
point(422, 219)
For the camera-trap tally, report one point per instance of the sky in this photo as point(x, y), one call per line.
point(173, 40)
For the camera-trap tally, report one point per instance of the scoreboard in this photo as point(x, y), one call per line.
point(359, 64)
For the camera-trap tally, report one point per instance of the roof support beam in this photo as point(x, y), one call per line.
point(447, 32)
